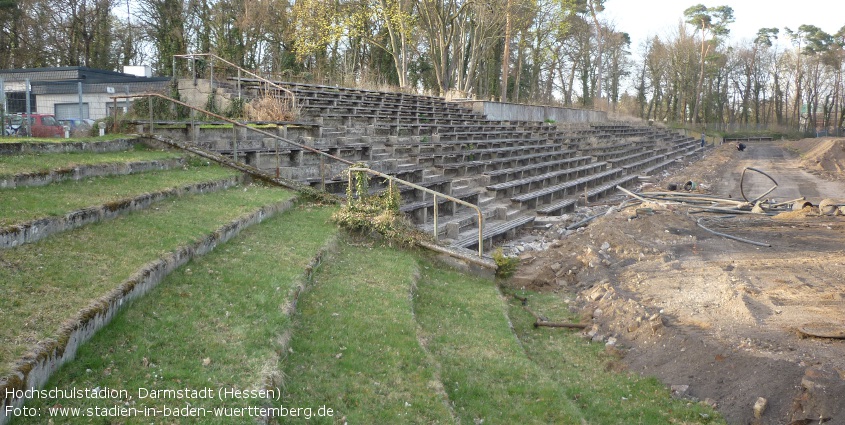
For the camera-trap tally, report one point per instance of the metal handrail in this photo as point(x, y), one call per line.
point(434, 193)
point(351, 169)
point(149, 96)
point(250, 73)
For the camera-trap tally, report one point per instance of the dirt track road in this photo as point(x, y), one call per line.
point(781, 164)
point(717, 316)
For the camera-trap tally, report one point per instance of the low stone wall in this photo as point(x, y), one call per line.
point(35, 368)
point(116, 145)
point(85, 171)
point(38, 229)
point(518, 112)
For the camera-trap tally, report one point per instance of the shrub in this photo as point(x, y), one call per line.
point(505, 266)
point(375, 214)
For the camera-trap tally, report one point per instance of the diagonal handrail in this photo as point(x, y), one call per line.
point(222, 118)
point(250, 73)
point(434, 193)
point(351, 169)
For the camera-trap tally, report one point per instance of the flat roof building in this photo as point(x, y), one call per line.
point(71, 92)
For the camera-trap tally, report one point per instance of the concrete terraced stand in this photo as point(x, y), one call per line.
point(512, 169)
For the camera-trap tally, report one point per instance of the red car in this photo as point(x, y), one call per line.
point(42, 125)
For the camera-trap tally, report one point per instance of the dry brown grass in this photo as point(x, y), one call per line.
point(272, 108)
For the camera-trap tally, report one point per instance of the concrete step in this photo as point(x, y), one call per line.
point(494, 230)
point(485, 201)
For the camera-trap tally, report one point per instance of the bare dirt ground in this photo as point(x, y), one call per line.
point(714, 318)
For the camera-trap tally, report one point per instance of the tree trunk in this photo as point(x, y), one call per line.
point(704, 49)
point(599, 45)
point(519, 59)
point(506, 53)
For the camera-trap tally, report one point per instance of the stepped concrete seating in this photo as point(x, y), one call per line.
point(444, 147)
point(503, 229)
point(625, 131)
point(460, 221)
point(604, 189)
point(479, 166)
point(619, 153)
point(421, 210)
point(512, 188)
point(514, 173)
point(533, 199)
point(568, 204)
point(504, 167)
point(673, 156)
point(634, 158)
point(482, 154)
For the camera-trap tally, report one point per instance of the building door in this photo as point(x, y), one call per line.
point(66, 111)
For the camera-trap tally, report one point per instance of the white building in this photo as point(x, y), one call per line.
point(72, 92)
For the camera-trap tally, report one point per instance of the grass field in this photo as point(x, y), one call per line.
point(383, 335)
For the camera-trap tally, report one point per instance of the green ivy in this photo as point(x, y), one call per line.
point(375, 214)
point(236, 108)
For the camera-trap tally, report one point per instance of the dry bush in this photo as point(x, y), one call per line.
point(272, 108)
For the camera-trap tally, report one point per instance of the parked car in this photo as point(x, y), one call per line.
point(78, 126)
point(42, 125)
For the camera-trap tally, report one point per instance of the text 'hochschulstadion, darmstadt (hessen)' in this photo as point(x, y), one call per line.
point(155, 402)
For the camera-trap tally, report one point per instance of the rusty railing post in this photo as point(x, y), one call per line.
point(480, 234)
point(235, 143)
point(322, 174)
point(435, 217)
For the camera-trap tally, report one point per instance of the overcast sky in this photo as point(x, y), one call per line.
point(645, 18)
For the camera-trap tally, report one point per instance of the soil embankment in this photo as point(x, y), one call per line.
point(720, 320)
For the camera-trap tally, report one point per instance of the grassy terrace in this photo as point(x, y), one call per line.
point(485, 371)
point(28, 203)
point(387, 337)
point(355, 349)
point(382, 336)
point(215, 323)
point(47, 282)
point(31, 163)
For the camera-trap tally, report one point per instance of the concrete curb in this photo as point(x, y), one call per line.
point(275, 379)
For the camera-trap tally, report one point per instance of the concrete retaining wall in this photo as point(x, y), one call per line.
point(38, 229)
point(35, 368)
point(85, 171)
point(67, 147)
point(518, 112)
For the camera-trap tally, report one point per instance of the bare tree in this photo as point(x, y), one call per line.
point(713, 24)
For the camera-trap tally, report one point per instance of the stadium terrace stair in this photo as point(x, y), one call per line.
point(514, 170)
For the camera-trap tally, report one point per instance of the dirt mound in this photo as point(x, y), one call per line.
point(826, 154)
point(801, 214)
